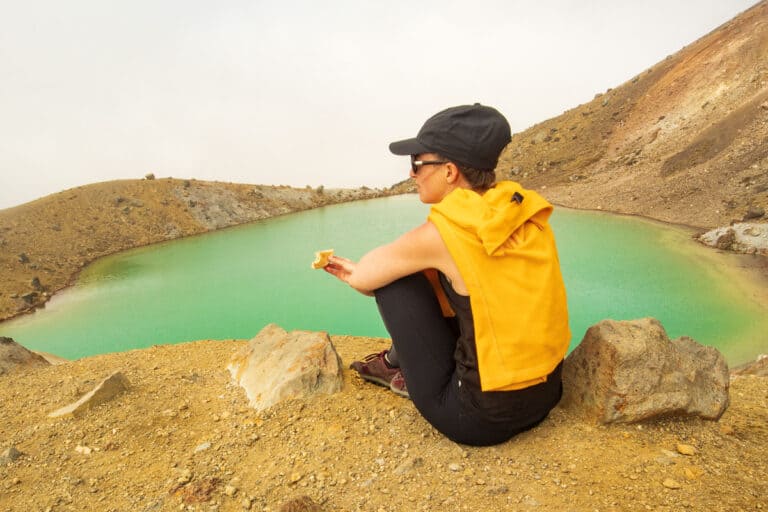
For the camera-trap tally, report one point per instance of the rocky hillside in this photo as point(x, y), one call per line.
point(44, 243)
point(685, 141)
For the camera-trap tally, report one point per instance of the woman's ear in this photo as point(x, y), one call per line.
point(451, 173)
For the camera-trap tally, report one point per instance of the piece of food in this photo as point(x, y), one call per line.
point(321, 258)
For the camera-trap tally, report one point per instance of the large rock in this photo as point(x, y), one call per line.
point(744, 237)
point(13, 355)
point(277, 365)
point(106, 390)
point(629, 371)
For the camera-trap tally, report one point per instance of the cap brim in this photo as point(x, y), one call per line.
point(408, 147)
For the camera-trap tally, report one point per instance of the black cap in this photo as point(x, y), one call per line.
point(470, 135)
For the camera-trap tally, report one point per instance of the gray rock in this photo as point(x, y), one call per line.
point(754, 212)
point(629, 371)
point(9, 455)
point(276, 366)
point(743, 237)
point(13, 356)
point(106, 390)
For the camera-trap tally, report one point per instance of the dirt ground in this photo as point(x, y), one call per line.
point(183, 438)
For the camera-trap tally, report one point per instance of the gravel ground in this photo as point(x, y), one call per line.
point(183, 438)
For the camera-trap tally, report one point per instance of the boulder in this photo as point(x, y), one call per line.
point(277, 365)
point(13, 355)
point(106, 390)
point(629, 371)
point(743, 237)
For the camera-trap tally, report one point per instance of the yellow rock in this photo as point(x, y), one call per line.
point(671, 484)
point(693, 472)
point(686, 449)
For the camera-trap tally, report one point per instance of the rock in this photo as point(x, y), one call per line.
point(106, 390)
point(276, 366)
point(202, 447)
point(230, 490)
point(149, 176)
point(726, 240)
point(686, 449)
point(30, 297)
point(408, 465)
point(671, 484)
point(757, 367)
point(23, 258)
point(35, 283)
point(9, 455)
point(629, 371)
point(13, 356)
point(754, 212)
point(742, 237)
point(85, 450)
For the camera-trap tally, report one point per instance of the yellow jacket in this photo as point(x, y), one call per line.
point(505, 251)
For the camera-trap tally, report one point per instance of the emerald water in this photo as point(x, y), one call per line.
point(231, 283)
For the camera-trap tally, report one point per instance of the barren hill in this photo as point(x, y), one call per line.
point(44, 243)
point(685, 141)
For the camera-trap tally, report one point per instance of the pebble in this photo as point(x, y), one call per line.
point(85, 450)
point(202, 446)
point(9, 455)
point(671, 484)
point(185, 477)
point(230, 490)
point(686, 449)
point(693, 472)
point(453, 466)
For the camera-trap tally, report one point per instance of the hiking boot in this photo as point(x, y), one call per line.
point(375, 369)
point(397, 385)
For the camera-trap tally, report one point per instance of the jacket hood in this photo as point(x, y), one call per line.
point(496, 215)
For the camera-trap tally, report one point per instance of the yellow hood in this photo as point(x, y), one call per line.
point(495, 215)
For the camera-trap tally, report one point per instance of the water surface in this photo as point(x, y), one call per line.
point(230, 283)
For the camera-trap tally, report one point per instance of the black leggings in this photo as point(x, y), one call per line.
point(424, 342)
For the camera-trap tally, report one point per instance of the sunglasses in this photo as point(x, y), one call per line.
point(416, 165)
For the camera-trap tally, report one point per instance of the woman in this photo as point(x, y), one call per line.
point(473, 298)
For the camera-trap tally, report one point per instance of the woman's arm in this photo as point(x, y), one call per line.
point(416, 250)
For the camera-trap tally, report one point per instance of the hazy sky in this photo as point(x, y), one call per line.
point(297, 92)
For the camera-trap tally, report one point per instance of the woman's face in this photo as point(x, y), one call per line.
point(429, 177)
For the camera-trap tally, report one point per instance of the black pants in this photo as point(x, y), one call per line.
point(424, 342)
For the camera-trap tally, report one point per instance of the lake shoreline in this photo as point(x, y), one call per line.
point(746, 270)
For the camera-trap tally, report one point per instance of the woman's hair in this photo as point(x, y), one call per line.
point(477, 178)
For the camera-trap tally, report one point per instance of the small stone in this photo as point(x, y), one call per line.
point(85, 450)
point(686, 449)
point(295, 477)
point(727, 430)
point(693, 472)
point(453, 466)
point(230, 490)
point(9, 455)
point(671, 484)
point(202, 446)
point(185, 477)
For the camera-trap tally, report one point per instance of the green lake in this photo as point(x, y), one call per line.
point(230, 283)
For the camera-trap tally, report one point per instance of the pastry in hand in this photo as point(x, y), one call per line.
point(321, 258)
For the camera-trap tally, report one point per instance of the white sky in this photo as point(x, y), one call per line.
point(297, 92)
